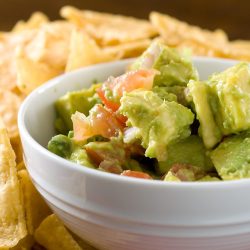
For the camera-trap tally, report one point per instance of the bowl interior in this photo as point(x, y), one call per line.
point(37, 113)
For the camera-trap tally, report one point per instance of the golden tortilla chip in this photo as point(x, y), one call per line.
point(227, 50)
point(8, 44)
point(241, 44)
point(12, 222)
point(237, 52)
point(17, 147)
point(84, 51)
point(200, 49)
point(109, 29)
point(31, 74)
point(131, 49)
point(35, 207)
point(51, 44)
point(175, 32)
point(9, 105)
point(35, 21)
point(25, 243)
point(20, 166)
point(52, 235)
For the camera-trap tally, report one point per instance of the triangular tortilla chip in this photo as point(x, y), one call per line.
point(12, 222)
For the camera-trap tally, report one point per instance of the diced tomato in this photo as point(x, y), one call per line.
point(136, 174)
point(81, 127)
point(105, 123)
point(114, 106)
point(134, 80)
point(126, 83)
point(121, 118)
point(101, 121)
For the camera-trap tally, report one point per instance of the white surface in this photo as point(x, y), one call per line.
point(116, 212)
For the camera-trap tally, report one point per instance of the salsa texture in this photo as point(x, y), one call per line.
point(159, 121)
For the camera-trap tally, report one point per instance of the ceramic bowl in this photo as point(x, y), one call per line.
point(116, 212)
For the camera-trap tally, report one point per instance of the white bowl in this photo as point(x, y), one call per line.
point(115, 212)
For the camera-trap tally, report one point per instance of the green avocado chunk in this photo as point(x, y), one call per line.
point(64, 146)
point(157, 123)
point(201, 97)
point(80, 156)
point(222, 103)
point(171, 177)
point(82, 101)
point(232, 157)
point(164, 94)
point(172, 93)
point(188, 151)
point(60, 145)
point(174, 68)
point(232, 88)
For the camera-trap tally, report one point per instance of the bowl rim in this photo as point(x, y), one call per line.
point(99, 174)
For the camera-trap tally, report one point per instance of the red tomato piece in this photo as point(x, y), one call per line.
point(136, 174)
point(138, 79)
point(101, 121)
point(104, 122)
point(127, 82)
point(81, 127)
point(114, 106)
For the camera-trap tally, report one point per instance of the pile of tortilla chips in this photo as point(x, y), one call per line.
point(38, 50)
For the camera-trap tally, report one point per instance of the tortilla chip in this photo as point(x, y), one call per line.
point(131, 49)
point(241, 44)
point(237, 52)
point(52, 235)
point(35, 21)
point(31, 74)
point(17, 147)
point(200, 49)
point(25, 243)
point(35, 207)
point(227, 50)
point(84, 51)
point(109, 29)
point(12, 222)
point(20, 166)
point(8, 44)
point(175, 32)
point(9, 105)
point(51, 44)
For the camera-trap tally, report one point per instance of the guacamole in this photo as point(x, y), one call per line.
point(159, 121)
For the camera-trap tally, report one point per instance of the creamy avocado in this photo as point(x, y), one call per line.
point(82, 101)
point(66, 148)
point(232, 157)
point(171, 93)
point(80, 156)
point(164, 94)
point(232, 88)
point(188, 151)
point(201, 98)
point(157, 123)
point(222, 103)
point(171, 177)
point(60, 145)
point(174, 68)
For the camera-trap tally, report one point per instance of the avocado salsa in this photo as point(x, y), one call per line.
point(159, 121)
